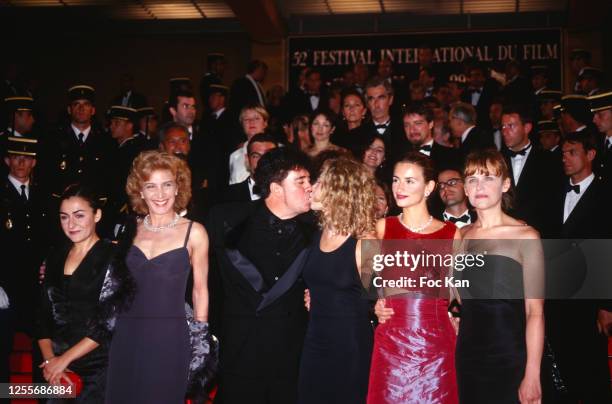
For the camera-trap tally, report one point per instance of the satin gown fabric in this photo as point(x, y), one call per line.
point(413, 359)
point(335, 360)
point(150, 351)
point(491, 347)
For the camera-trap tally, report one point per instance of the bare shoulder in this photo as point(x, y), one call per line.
point(526, 232)
point(198, 233)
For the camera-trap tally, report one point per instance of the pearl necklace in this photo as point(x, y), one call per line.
point(416, 229)
point(147, 223)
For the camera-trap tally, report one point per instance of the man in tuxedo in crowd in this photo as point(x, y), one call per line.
point(261, 249)
point(385, 71)
point(601, 106)
point(427, 77)
point(480, 93)
point(576, 114)
point(533, 172)
point(379, 99)
point(418, 126)
point(222, 137)
point(183, 109)
point(462, 122)
point(247, 190)
point(127, 96)
point(215, 66)
point(248, 90)
point(307, 100)
point(578, 211)
point(454, 201)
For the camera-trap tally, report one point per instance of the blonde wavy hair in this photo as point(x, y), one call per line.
point(348, 196)
point(144, 165)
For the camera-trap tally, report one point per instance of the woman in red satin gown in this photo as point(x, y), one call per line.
point(413, 359)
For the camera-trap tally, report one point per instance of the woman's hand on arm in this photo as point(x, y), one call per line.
point(198, 242)
point(54, 367)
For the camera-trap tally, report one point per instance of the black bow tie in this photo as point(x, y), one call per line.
point(462, 219)
point(521, 152)
point(569, 187)
point(382, 126)
point(475, 90)
point(426, 148)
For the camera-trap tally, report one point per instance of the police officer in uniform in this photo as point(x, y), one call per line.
point(601, 107)
point(24, 224)
point(122, 123)
point(80, 152)
point(20, 121)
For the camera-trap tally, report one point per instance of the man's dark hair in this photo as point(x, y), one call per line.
point(261, 138)
point(522, 111)
point(173, 102)
point(418, 108)
point(274, 166)
point(256, 64)
point(585, 137)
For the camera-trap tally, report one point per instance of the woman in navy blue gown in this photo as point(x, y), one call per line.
point(336, 355)
point(150, 352)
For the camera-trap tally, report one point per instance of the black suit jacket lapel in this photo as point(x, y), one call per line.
point(583, 205)
point(252, 275)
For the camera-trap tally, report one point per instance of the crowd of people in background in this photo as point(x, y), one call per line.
point(128, 191)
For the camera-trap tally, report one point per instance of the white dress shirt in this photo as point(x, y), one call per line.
point(464, 135)
point(314, 101)
point(381, 131)
point(572, 198)
point(426, 152)
point(237, 165)
point(251, 184)
point(476, 97)
point(84, 132)
point(497, 139)
point(518, 162)
point(17, 184)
